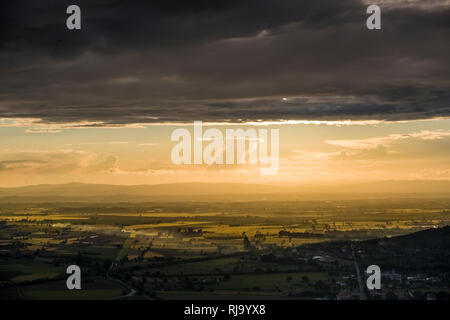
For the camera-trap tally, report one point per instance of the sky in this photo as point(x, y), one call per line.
point(99, 104)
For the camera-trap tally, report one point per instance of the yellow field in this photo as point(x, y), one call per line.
point(53, 217)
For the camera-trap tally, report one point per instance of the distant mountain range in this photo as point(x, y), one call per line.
point(233, 190)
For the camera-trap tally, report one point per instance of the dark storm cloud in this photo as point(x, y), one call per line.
point(159, 61)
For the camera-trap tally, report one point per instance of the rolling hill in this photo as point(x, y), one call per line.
point(77, 191)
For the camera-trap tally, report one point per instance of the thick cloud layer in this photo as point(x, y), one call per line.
point(230, 60)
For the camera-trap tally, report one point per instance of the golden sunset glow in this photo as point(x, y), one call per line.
point(310, 152)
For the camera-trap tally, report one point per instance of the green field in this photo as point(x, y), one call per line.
point(266, 282)
point(30, 269)
point(219, 295)
point(72, 294)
